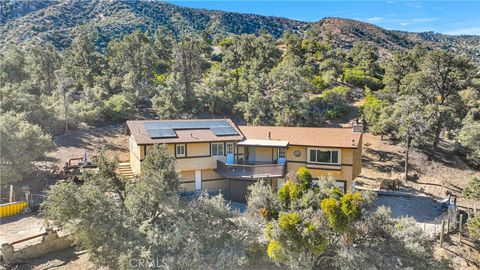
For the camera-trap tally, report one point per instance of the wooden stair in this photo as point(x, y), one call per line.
point(125, 171)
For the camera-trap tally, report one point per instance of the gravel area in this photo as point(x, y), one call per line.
point(421, 208)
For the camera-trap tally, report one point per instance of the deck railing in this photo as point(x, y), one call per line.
point(250, 171)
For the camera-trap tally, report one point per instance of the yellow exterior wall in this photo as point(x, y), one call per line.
point(135, 154)
point(210, 180)
point(187, 186)
point(187, 176)
point(347, 156)
point(351, 160)
point(291, 153)
point(263, 154)
point(210, 174)
point(185, 164)
point(198, 149)
point(357, 159)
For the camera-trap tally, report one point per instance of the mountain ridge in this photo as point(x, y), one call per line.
point(58, 22)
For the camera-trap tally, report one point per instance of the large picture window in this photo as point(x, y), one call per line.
point(217, 149)
point(323, 156)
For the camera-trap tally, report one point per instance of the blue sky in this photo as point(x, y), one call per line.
point(446, 17)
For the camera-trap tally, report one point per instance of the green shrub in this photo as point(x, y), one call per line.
point(304, 177)
point(473, 225)
point(288, 192)
point(288, 222)
point(332, 208)
point(119, 108)
point(268, 231)
point(359, 78)
point(86, 112)
point(351, 205)
point(335, 101)
point(472, 190)
point(275, 251)
point(319, 83)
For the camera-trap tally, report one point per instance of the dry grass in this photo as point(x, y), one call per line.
point(461, 255)
point(430, 174)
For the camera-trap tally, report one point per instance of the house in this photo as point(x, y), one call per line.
point(216, 154)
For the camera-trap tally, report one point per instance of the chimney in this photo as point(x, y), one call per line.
point(269, 135)
point(357, 127)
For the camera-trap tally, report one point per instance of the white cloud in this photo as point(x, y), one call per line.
point(390, 2)
point(414, 5)
point(404, 23)
point(375, 19)
point(464, 31)
point(424, 19)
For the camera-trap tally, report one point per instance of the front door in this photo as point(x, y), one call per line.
point(251, 155)
point(198, 180)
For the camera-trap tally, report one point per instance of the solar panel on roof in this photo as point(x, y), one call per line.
point(166, 129)
point(161, 133)
point(222, 131)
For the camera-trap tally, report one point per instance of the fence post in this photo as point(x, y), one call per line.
point(10, 198)
point(460, 228)
point(27, 199)
point(448, 226)
point(442, 231)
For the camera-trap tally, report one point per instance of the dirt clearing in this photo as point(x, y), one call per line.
point(111, 140)
point(431, 175)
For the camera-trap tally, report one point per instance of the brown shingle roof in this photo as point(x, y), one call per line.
point(140, 134)
point(308, 136)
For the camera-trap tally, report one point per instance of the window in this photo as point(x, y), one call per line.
point(281, 152)
point(217, 149)
point(323, 156)
point(180, 150)
point(230, 148)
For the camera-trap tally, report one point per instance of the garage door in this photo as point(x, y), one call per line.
point(238, 190)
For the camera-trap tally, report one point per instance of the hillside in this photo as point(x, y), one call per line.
point(345, 32)
point(58, 22)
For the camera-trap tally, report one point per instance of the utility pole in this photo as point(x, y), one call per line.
point(407, 150)
point(65, 109)
point(442, 233)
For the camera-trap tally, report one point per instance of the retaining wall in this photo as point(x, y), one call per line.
point(51, 242)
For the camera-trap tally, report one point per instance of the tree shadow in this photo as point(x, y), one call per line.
point(384, 156)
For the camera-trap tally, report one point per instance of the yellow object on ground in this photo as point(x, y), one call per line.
point(10, 209)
